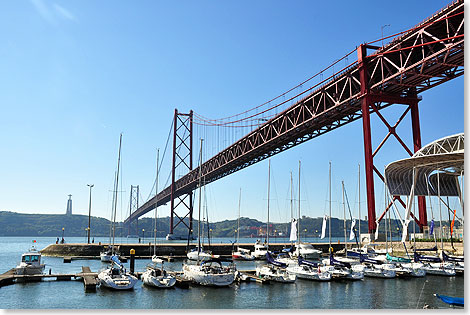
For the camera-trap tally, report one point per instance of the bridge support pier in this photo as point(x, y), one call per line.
point(371, 102)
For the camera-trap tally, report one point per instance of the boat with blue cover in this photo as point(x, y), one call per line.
point(451, 300)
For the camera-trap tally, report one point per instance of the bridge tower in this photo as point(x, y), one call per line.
point(133, 206)
point(183, 161)
point(371, 102)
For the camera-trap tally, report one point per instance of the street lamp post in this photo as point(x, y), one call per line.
point(143, 235)
point(89, 213)
point(62, 241)
point(305, 233)
point(382, 29)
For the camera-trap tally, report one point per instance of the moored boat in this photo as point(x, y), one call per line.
point(30, 263)
point(158, 277)
point(210, 272)
point(116, 277)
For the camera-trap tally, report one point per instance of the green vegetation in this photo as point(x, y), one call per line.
point(20, 224)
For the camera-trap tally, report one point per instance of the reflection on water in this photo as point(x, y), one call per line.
point(366, 294)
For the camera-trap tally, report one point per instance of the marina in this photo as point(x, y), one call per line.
point(77, 278)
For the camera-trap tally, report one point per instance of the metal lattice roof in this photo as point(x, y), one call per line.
point(441, 161)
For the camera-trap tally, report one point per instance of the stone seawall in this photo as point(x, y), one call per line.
point(167, 249)
point(180, 249)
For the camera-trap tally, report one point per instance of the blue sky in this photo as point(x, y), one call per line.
point(74, 74)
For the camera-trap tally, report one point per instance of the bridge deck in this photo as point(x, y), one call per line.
point(423, 57)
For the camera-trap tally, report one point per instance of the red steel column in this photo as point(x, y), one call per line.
point(172, 200)
point(369, 163)
point(423, 219)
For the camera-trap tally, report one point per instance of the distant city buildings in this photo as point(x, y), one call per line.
point(69, 206)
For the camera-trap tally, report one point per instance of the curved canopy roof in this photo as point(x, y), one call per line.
point(441, 161)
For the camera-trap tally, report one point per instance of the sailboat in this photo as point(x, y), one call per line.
point(154, 275)
point(274, 270)
point(199, 253)
point(107, 253)
point(342, 269)
point(116, 277)
point(212, 271)
point(304, 250)
point(241, 253)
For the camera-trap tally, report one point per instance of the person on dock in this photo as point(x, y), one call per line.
point(93, 241)
point(57, 241)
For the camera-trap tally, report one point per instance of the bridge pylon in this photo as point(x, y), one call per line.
point(183, 161)
point(133, 206)
point(372, 102)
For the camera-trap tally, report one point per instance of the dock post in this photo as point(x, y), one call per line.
point(132, 260)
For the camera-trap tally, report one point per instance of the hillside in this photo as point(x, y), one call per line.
point(20, 224)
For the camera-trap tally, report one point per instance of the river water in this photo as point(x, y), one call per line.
point(367, 294)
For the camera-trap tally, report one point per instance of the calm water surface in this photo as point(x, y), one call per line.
point(366, 294)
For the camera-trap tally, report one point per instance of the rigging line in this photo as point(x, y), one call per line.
point(160, 166)
point(307, 90)
point(283, 94)
point(415, 46)
point(254, 122)
point(414, 28)
point(318, 73)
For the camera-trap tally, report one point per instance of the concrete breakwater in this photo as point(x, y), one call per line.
point(180, 249)
point(167, 249)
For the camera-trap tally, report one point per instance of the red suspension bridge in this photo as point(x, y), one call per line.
point(415, 60)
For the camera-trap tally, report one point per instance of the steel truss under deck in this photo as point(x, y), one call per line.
point(426, 56)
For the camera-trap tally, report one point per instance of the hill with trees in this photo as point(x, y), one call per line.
point(21, 224)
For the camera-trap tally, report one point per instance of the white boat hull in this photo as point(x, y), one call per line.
point(29, 270)
point(163, 281)
point(242, 256)
point(197, 274)
point(105, 258)
point(120, 281)
point(438, 269)
point(275, 274)
point(378, 272)
point(309, 273)
point(193, 255)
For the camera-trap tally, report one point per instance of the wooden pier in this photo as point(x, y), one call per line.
point(89, 278)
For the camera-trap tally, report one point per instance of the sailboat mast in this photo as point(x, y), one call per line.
point(156, 205)
point(440, 209)
point(238, 223)
point(329, 221)
point(291, 200)
point(359, 193)
point(116, 191)
point(298, 220)
point(344, 224)
point(199, 209)
point(112, 212)
point(291, 197)
point(267, 224)
point(386, 231)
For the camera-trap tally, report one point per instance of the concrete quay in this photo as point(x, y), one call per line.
point(167, 249)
